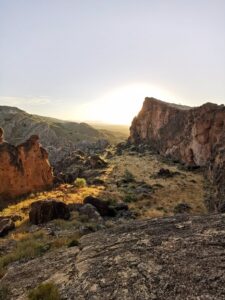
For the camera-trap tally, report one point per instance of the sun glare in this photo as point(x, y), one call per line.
point(122, 104)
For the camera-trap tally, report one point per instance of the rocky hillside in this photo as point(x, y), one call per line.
point(171, 258)
point(57, 136)
point(194, 136)
point(23, 169)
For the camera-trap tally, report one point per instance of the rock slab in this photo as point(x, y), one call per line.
point(175, 258)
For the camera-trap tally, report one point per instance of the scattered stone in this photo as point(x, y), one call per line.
point(6, 224)
point(182, 208)
point(166, 173)
point(102, 207)
point(96, 162)
point(47, 210)
point(91, 212)
point(97, 181)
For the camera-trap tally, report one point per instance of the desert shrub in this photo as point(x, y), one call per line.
point(128, 177)
point(4, 293)
point(73, 243)
point(129, 198)
point(80, 182)
point(45, 291)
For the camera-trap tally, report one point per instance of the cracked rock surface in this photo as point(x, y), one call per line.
point(180, 257)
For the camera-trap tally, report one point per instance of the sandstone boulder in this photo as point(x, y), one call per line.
point(47, 210)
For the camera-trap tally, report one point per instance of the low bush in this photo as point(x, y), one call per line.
point(46, 291)
point(80, 182)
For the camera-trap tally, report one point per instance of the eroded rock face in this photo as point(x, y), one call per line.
point(194, 136)
point(171, 258)
point(6, 224)
point(23, 169)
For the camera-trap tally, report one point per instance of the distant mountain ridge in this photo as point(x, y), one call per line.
point(55, 135)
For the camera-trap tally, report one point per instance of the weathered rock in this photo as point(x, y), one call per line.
point(90, 211)
point(171, 258)
point(102, 206)
point(23, 169)
point(194, 136)
point(47, 210)
point(96, 162)
point(6, 224)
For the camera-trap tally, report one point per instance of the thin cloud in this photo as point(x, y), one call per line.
point(28, 100)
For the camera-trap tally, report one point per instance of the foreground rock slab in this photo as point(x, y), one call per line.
point(178, 258)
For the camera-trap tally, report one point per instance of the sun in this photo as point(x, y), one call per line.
point(122, 104)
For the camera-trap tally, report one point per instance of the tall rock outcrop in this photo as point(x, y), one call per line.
point(23, 169)
point(194, 136)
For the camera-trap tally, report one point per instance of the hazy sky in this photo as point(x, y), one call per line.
point(98, 59)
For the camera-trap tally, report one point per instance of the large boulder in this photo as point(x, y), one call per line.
point(102, 207)
point(6, 224)
point(47, 210)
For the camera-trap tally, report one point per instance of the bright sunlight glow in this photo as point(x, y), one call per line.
point(121, 105)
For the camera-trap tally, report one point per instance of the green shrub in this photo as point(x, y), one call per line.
point(80, 182)
point(45, 291)
point(73, 243)
point(129, 198)
point(4, 293)
point(128, 177)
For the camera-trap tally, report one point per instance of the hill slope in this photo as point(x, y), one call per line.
point(54, 134)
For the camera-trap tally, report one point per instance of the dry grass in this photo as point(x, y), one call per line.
point(185, 187)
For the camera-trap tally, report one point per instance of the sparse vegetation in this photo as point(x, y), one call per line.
point(129, 198)
point(4, 293)
point(128, 176)
point(45, 291)
point(28, 247)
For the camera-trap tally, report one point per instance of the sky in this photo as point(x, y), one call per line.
point(98, 59)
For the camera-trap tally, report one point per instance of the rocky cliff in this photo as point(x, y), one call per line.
point(178, 258)
point(23, 169)
point(194, 136)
